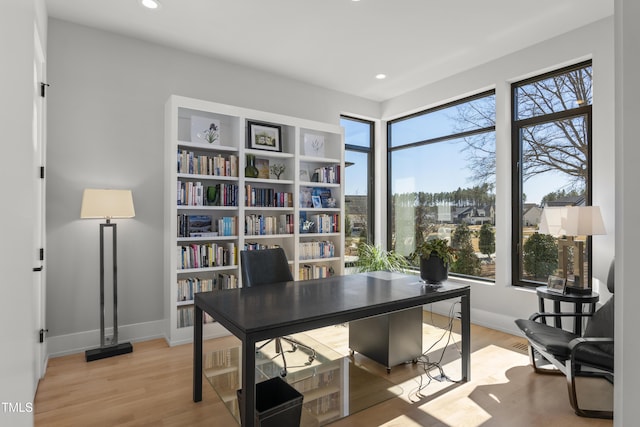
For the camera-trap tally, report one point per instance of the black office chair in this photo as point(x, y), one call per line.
point(262, 267)
point(588, 355)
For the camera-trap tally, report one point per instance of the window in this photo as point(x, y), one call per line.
point(359, 195)
point(551, 164)
point(442, 182)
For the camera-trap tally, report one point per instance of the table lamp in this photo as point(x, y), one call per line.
point(107, 204)
point(566, 223)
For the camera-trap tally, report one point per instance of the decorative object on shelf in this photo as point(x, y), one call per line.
point(304, 175)
point(331, 202)
point(317, 203)
point(250, 171)
point(107, 204)
point(264, 136)
point(313, 145)
point(263, 168)
point(566, 223)
point(204, 129)
point(307, 226)
point(374, 258)
point(277, 169)
point(435, 257)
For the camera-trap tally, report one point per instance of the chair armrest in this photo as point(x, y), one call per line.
point(537, 315)
point(576, 343)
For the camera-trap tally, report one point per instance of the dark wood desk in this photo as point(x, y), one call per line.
point(263, 312)
point(577, 299)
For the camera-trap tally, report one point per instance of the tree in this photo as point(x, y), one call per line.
point(540, 256)
point(560, 145)
point(487, 240)
point(467, 262)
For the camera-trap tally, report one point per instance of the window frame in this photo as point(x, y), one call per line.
point(391, 149)
point(517, 183)
point(370, 152)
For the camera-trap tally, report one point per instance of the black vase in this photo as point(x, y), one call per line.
point(433, 270)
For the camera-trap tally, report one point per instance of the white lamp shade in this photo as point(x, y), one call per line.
point(102, 203)
point(553, 221)
point(584, 221)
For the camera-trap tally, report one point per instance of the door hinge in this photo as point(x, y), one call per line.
point(41, 172)
point(42, 332)
point(43, 89)
point(41, 254)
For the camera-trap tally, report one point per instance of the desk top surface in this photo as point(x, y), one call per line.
point(339, 298)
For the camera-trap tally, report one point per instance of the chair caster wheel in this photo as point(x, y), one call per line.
point(283, 373)
point(388, 370)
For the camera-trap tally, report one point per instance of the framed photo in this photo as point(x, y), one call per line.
point(556, 284)
point(204, 129)
point(304, 175)
point(317, 202)
point(263, 136)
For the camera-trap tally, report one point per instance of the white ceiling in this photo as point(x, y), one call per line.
point(343, 44)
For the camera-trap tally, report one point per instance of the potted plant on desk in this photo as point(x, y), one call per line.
point(435, 257)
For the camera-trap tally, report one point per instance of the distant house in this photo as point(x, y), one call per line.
point(566, 201)
point(532, 215)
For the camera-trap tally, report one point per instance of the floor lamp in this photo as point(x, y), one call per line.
point(107, 204)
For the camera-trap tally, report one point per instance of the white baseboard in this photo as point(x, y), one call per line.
point(483, 318)
point(62, 345)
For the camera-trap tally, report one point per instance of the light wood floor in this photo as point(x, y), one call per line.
point(152, 387)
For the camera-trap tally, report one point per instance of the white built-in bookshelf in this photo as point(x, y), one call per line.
point(213, 210)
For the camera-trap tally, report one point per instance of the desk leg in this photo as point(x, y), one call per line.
point(466, 336)
point(197, 354)
point(247, 409)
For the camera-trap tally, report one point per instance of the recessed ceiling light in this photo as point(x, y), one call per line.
point(150, 4)
point(381, 76)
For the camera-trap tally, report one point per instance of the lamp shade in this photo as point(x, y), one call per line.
point(103, 203)
point(584, 221)
point(553, 221)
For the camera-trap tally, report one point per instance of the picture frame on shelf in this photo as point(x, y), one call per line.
point(556, 284)
point(304, 175)
point(317, 202)
point(205, 130)
point(263, 136)
point(313, 145)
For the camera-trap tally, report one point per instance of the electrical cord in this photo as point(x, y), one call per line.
point(428, 366)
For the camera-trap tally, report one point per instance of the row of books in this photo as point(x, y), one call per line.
point(192, 285)
point(307, 271)
point(193, 194)
point(319, 223)
point(260, 225)
point(207, 255)
point(255, 246)
point(327, 174)
point(267, 197)
point(189, 162)
point(206, 226)
point(317, 249)
point(185, 317)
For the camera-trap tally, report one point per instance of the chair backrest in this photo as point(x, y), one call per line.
point(264, 266)
point(601, 323)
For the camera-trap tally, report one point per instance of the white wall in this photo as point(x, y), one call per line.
point(627, 110)
point(594, 41)
point(17, 169)
point(106, 129)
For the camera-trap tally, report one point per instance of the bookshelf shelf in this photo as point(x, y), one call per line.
point(185, 151)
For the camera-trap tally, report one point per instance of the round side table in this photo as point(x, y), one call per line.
point(577, 299)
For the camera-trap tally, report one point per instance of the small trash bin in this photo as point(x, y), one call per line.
point(277, 404)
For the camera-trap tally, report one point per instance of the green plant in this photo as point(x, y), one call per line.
point(277, 169)
point(540, 256)
point(438, 247)
point(374, 258)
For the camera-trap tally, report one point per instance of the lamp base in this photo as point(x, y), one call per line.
point(104, 352)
